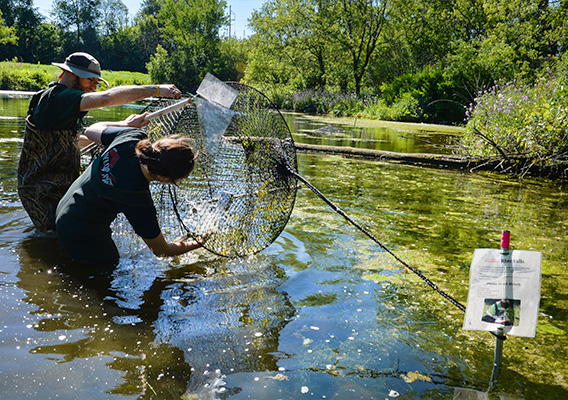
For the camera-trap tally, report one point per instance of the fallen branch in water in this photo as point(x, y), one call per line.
point(520, 166)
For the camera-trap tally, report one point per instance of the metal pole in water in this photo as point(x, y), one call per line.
point(499, 339)
point(499, 336)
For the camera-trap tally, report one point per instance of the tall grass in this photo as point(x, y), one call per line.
point(367, 106)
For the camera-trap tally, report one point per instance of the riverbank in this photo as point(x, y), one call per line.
point(450, 161)
point(15, 94)
point(15, 76)
point(437, 160)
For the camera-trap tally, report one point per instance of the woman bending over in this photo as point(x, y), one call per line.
point(118, 181)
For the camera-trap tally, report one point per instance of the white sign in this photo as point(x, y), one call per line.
point(504, 292)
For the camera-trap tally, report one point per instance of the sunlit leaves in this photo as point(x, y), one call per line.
point(516, 119)
point(191, 43)
point(7, 34)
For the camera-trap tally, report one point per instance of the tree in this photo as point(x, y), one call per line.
point(291, 43)
point(119, 50)
point(190, 29)
point(78, 21)
point(114, 16)
point(7, 33)
point(281, 53)
point(234, 53)
point(357, 28)
point(150, 36)
point(7, 8)
point(33, 36)
point(317, 43)
point(45, 45)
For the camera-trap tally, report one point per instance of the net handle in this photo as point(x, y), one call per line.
point(155, 114)
point(211, 89)
point(168, 109)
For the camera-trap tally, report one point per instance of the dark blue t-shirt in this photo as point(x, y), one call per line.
point(119, 167)
point(84, 215)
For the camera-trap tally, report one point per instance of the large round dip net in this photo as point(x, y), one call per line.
point(243, 188)
point(242, 191)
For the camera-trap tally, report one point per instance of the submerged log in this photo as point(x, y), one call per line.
point(440, 160)
point(519, 167)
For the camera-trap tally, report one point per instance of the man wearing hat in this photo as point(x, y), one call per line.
point(50, 158)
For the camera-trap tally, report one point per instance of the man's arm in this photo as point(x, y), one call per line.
point(120, 95)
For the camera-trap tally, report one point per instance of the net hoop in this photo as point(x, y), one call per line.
point(243, 189)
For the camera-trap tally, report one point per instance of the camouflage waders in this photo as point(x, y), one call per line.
point(49, 164)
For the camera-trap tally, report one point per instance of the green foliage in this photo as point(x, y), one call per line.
point(235, 56)
point(33, 77)
point(191, 42)
point(514, 119)
point(427, 58)
point(119, 50)
point(159, 65)
point(317, 45)
point(26, 77)
point(405, 108)
point(428, 95)
point(7, 33)
point(412, 61)
point(118, 78)
point(344, 105)
point(77, 22)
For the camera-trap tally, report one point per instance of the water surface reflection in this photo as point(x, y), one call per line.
point(163, 330)
point(322, 312)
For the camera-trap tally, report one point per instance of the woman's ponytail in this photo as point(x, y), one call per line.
point(146, 153)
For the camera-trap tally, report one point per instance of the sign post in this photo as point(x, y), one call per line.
point(504, 294)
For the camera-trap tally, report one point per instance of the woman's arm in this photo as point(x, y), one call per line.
point(161, 248)
point(95, 131)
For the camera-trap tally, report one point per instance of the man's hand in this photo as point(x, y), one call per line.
point(170, 91)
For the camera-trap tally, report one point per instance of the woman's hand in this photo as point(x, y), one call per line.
point(161, 248)
point(136, 120)
point(199, 241)
point(95, 131)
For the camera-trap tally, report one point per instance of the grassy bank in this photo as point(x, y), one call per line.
point(32, 77)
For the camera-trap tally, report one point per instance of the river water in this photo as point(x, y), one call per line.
point(322, 313)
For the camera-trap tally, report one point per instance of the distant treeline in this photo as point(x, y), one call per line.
point(421, 60)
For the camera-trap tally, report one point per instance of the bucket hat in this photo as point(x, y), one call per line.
point(83, 65)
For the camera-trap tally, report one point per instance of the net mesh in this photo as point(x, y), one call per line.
point(243, 188)
point(241, 192)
